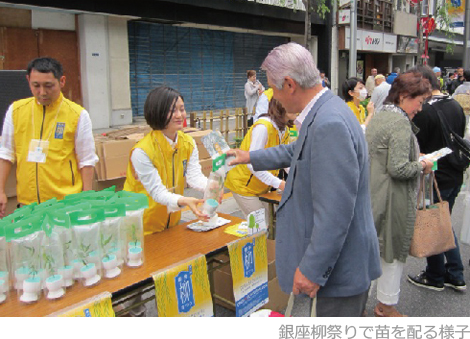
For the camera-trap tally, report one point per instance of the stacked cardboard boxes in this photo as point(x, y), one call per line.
point(204, 157)
point(223, 283)
point(113, 149)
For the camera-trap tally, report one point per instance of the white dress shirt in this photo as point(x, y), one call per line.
point(148, 175)
point(84, 141)
point(301, 117)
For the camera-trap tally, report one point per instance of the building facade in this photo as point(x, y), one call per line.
point(115, 52)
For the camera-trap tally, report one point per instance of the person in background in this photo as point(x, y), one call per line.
point(394, 173)
point(445, 269)
point(437, 72)
point(448, 83)
point(161, 161)
point(459, 79)
point(271, 129)
point(354, 92)
point(324, 80)
point(370, 82)
point(393, 75)
point(326, 244)
point(262, 105)
point(380, 92)
point(253, 89)
point(49, 137)
point(462, 94)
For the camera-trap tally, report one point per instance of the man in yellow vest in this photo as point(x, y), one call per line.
point(49, 137)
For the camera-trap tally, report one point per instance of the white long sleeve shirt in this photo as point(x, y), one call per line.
point(84, 141)
point(259, 138)
point(148, 175)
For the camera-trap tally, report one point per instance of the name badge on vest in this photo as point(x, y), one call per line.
point(38, 151)
point(59, 130)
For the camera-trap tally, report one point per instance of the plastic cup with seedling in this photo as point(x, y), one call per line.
point(55, 281)
point(31, 285)
point(67, 271)
point(134, 252)
point(88, 271)
point(110, 262)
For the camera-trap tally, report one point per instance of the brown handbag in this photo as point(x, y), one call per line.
point(433, 232)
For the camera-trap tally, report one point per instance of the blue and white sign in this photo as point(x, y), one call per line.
point(248, 260)
point(184, 291)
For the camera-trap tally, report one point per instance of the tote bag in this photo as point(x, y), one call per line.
point(433, 227)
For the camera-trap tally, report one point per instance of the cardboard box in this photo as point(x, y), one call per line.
point(114, 158)
point(101, 185)
point(203, 154)
point(206, 166)
point(223, 283)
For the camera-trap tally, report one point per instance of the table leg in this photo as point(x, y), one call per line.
point(272, 222)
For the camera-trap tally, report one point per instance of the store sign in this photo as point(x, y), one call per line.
point(249, 266)
point(407, 45)
point(390, 43)
point(372, 41)
point(183, 290)
point(344, 16)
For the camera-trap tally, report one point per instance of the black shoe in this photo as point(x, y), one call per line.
point(458, 285)
point(422, 281)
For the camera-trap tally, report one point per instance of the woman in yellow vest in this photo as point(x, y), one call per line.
point(161, 161)
point(271, 129)
point(354, 91)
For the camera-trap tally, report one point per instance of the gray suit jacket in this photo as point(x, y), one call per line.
point(324, 220)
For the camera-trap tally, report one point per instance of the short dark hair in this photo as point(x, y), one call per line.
point(466, 74)
point(160, 101)
point(250, 73)
point(427, 73)
point(46, 65)
point(349, 85)
point(410, 85)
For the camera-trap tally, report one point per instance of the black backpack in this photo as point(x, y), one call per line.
point(460, 156)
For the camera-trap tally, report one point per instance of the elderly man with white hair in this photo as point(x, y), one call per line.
point(326, 242)
point(380, 93)
point(370, 82)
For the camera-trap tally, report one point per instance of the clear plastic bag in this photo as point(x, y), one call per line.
point(4, 272)
point(86, 232)
point(52, 252)
point(110, 239)
point(212, 193)
point(25, 239)
point(132, 227)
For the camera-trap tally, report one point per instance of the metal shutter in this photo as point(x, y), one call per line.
point(208, 67)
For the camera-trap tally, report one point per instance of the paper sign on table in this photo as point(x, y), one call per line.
point(257, 221)
point(249, 265)
point(97, 306)
point(239, 230)
point(183, 290)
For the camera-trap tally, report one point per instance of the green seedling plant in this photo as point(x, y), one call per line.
point(85, 251)
point(31, 251)
point(133, 234)
point(104, 243)
point(49, 263)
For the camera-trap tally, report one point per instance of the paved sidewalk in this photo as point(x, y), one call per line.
point(414, 301)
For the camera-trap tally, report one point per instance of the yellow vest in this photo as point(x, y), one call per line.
point(171, 164)
point(59, 175)
point(269, 93)
point(359, 112)
point(239, 179)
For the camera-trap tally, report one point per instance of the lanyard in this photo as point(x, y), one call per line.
point(55, 119)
